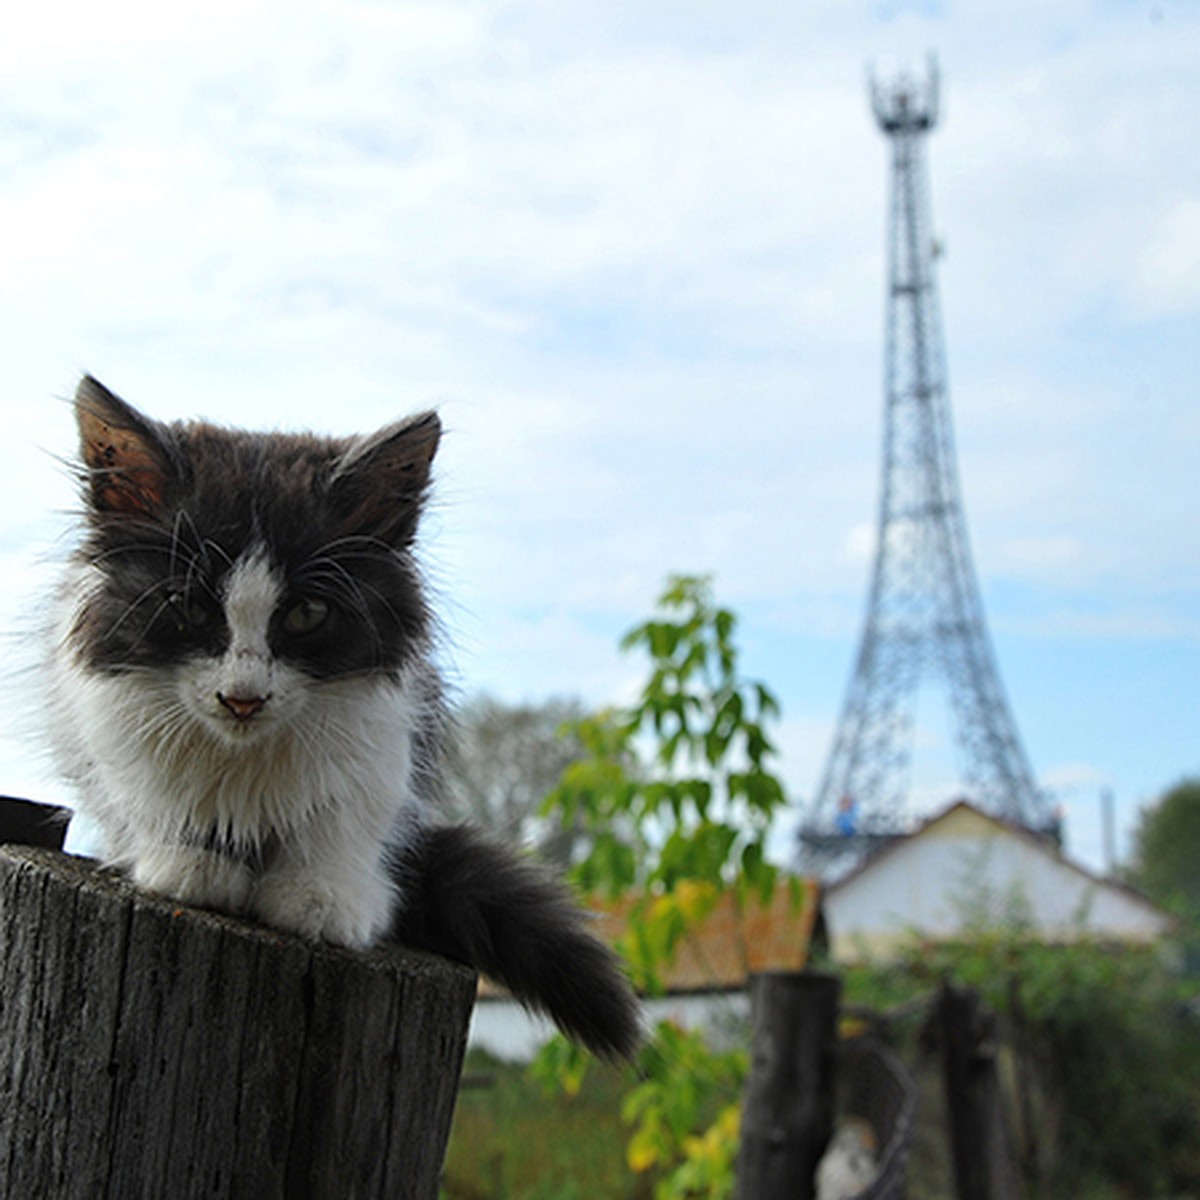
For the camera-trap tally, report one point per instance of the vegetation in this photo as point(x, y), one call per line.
point(513, 1140)
point(674, 796)
point(505, 758)
point(1111, 1040)
point(1111, 1044)
point(1166, 851)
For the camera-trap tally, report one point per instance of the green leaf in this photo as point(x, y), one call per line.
point(678, 797)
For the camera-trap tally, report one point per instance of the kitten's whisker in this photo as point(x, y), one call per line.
point(357, 590)
point(137, 602)
point(199, 562)
point(196, 573)
point(358, 546)
point(343, 580)
point(112, 552)
point(209, 545)
point(180, 517)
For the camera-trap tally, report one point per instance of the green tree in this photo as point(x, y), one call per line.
point(1166, 856)
point(503, 760)
point(675, 791)
point(677, 797)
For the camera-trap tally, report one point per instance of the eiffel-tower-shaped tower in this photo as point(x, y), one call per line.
point(924, 615)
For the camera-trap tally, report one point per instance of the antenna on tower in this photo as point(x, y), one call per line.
point(924, 613)
point(906, 102)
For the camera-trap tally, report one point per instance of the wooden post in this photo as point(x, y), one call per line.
point(983, 1168)
point(788, 1115)
point(150, 1051)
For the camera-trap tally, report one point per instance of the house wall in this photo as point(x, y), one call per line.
point(505, 1029)
point(966, 871)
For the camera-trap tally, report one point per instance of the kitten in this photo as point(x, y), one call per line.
point(243, 694)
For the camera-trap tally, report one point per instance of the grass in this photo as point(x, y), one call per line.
point(511, 1140)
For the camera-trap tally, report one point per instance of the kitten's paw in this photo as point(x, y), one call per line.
point(195, 876)
point(351, 913)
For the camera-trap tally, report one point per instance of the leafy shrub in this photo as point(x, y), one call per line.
point(1117, 1038)
point(676, 796)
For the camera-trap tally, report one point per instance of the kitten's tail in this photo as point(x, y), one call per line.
point(469, 898)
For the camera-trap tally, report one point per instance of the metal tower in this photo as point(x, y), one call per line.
point(924, 614)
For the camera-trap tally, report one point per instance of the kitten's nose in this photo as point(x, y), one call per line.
point(243, 707)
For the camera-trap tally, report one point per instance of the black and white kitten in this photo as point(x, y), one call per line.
point(243, 694)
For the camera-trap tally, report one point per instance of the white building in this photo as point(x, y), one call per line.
point(705, 987)
point(964, 871)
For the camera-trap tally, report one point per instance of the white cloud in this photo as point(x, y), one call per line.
point(1167, 271)
point(637, 257)
point(1067, 779)
point(862, 542)
point(68, 33)
point(1037, 555)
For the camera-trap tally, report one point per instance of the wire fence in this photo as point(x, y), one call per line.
point(880, 1090)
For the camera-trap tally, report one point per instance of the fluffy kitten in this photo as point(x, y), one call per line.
point(244, 697)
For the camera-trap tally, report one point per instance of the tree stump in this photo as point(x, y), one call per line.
point(153, 1051)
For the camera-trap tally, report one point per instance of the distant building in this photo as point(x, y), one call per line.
point(965, 870)
point(708, 981)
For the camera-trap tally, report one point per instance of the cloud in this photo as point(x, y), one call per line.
point(636, 256)
point(862, 543)
point(1167, 270)
point(1168, 621)
point(1064, 779)
point(1053, 554)
point(66, 34)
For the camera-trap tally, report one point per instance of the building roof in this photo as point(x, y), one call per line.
point(731, 941)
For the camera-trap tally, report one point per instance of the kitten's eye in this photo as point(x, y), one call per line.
point(306, 616)
point(189, 612)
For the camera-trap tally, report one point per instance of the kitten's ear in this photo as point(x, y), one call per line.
point(380, 481)
point(122, 451)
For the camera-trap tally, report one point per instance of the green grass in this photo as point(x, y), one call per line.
point(512, 1141)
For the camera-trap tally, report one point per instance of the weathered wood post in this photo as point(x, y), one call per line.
point(788, 1115)
point(159, 1052)
point(982, 1162)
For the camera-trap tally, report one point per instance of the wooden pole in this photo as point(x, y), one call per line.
point(153, 1051)
point(983, 1168)
point(788, 1115)
point(960, 1019)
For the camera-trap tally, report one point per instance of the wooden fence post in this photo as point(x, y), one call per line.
point(153, 1051)
point(788, 1114)
point(983, 1167)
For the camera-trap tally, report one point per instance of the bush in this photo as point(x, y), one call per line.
point(1116, 1040)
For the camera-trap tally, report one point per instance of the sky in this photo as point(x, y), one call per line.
point(634, 254)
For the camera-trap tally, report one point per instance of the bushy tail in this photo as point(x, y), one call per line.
point(469, 898)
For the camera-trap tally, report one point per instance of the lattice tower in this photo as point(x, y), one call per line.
point(924, 614)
